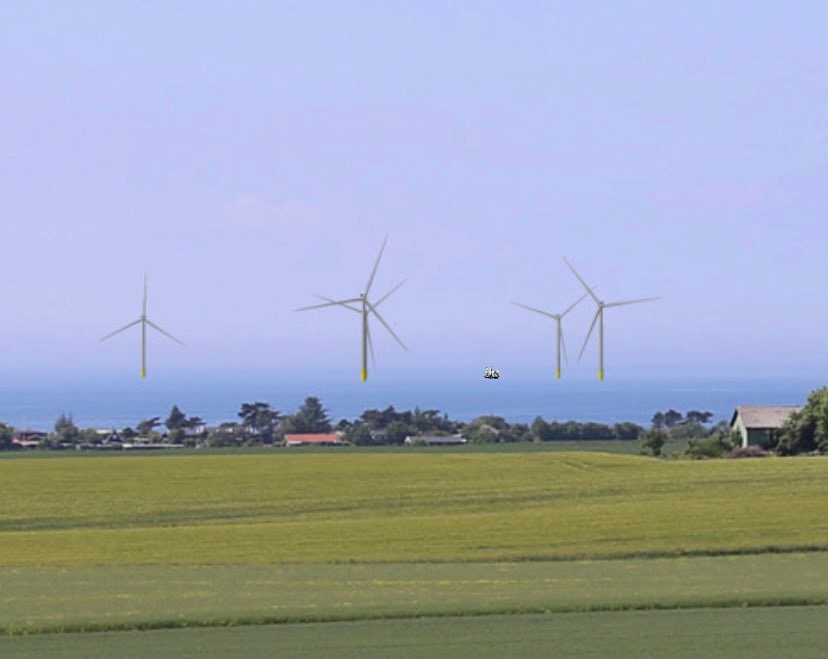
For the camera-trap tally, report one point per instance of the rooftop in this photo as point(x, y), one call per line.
point(312, 438)
point(765, 416)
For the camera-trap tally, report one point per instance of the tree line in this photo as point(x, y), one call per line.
point(806, 431)
point(260, 424)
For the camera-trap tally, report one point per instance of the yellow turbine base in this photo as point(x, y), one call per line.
point(600, 376)
point(143, 372)
point(364, 375)
point(558, 374)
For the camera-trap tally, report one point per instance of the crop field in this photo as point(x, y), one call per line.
point(379, 539)
point(708, 633)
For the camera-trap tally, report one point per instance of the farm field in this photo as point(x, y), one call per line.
point(378, 538)
point(760, 633)
point(284, 508)
point(104, 597)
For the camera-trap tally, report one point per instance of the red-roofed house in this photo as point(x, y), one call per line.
point(314, 439)
point(27, 438)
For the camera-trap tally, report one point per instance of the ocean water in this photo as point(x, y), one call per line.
point(118, 401)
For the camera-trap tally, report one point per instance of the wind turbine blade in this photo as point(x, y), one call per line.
point(386, 325)
point(540, 311)
point(125, 327)
point(329, 304)
point(118, 331)
point(370, 345)
point(583, 283)
point(144, 306)
point(322, 297)
point(573, 305)
point(589, 334)
point(625, 302)
point(165, 333)
point(388, 294)
point(376, 265)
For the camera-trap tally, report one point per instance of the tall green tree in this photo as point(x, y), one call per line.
point(146, 426)
point(653, 441)
point(358, 433)
point(696, 417)
point(806, 430)
point(177, 420)
point(311, 417)
point(6, 432)
point(261, 419)
point(672, 418)
point(65, 429)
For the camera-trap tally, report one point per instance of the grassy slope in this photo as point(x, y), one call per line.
point(370, 507)
point(714, 634)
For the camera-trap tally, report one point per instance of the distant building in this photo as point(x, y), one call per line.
point(756, 424)
point(27, 438)
point(314, 439)
point(111, 437)
point(434, 440)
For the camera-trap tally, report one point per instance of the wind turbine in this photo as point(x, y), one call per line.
point(561, 344)
point(365, 308)
point(144, 321)
point(599, 318)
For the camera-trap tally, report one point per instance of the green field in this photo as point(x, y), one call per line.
point(36, 599)
point(155, 541)
point(402, 507)
point(765, 633)
point(624, 447)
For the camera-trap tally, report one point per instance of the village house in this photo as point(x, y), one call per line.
point(757, 424)
point(434, 440)
point(314, 439)
point(27, 438)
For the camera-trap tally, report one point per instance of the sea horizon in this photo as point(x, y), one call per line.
point(114, 401)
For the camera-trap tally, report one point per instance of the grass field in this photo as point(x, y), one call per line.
point(402, 507)
point(623, 447)
point(36, 599)
point(708, 633)
point(161, 541)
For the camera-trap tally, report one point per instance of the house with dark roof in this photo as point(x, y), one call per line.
point(756, 424)
point(314, 439)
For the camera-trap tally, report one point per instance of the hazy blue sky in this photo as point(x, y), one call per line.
point(251, 154)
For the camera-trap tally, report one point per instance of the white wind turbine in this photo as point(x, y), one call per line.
point(558, 317)
point(144, 321)
point(599, 318)
point(365, 308)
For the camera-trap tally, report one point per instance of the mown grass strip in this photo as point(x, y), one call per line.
point(251, 621)
point(43, 599)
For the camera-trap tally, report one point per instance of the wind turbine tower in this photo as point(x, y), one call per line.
point(560, 343)
point(365, 308)
point(143, 321)
point(599, 319)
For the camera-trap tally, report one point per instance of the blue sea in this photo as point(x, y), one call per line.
point(117, 400)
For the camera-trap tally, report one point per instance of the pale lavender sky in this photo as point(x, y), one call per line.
point(251, 154)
